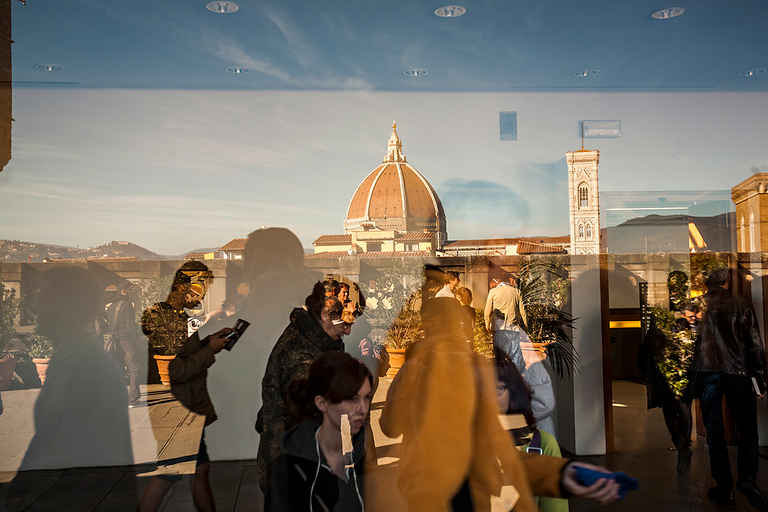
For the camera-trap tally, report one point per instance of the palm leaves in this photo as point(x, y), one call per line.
point(544, 290)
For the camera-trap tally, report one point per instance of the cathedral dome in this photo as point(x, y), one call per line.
point(395, 196)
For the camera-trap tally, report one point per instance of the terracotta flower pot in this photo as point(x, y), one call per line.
point(42, 367)
point(162, 368)
point(396, 360)
point(7, 367)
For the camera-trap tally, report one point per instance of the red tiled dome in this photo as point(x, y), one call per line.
point(395, 196)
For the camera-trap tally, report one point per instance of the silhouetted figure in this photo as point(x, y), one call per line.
point(81, 413)
point(728, 355)
point(660, 392)
point(464, 295)
point(167, 325)
point(278, 282)
point(121, 319)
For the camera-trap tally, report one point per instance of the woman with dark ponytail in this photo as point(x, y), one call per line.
point(321, 463)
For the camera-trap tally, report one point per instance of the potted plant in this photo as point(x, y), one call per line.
point(166, 329)
point(390, 307)
point(40, 351)
point(9, 308)
point(404, 330)
point(544, 290)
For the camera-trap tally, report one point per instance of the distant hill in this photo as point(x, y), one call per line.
point(16, 251)
point(671, 233)
point(203, 250)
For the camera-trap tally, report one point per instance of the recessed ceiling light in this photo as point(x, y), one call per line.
point(665, 14)
point(450, 11)
point(586, 72)
point(415, 72)
point(49, 67)
point(237, 70)
point(752, 72)
point(223, 7)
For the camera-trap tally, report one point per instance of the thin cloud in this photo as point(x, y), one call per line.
point(233, 53)
point(302, 51)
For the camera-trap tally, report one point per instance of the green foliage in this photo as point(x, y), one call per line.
point(9, 309)
point(702, 265)
point(677, 285)
point(406, 327)
point(151, 291)
point(544, 289)
point(390, 304)
point(677, 354)
point(40, 347)
point(483, 341)
point(665, 320)
point(166, 329)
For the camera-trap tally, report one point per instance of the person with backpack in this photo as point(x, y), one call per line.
point(123, 339)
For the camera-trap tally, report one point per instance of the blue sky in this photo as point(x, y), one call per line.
point(142, 135)
point(174, 170)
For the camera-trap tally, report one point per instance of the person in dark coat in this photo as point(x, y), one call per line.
point(315, 471)
point(312, 332)
point(729, 360)
point(676, 410)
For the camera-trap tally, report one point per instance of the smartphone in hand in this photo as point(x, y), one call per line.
point(239, 328)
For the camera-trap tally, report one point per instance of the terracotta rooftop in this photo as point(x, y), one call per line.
point(333, 239)
point(531, 248)
point(115, 258)
point(366, 255)
point(493, 242)
point(236, 244)
point(195, 256)
point(416, 236)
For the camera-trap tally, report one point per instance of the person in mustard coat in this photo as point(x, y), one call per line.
point(455, 454)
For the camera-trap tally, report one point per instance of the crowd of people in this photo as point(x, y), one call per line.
point(311, 413)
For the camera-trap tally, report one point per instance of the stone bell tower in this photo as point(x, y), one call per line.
point(584, 201)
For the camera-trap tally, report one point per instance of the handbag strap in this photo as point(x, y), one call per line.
point(535, 446)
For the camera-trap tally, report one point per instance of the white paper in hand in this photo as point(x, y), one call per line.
point(346, 434)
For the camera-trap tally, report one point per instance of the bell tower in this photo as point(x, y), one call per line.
point(584, 201)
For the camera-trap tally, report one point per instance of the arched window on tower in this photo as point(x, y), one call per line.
point(743, 232)
point(581, 231)
point(583, 196)
point(752, 245)
point(589, 232)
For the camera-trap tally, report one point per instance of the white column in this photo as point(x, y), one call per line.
point(581, 414)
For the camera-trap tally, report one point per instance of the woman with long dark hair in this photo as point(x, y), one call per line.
point(318, 468)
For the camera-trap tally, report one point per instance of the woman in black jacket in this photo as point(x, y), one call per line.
point(318, 469)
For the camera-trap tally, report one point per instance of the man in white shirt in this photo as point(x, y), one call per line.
point(505, 318)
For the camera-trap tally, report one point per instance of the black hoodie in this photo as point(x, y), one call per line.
point(297, 473)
